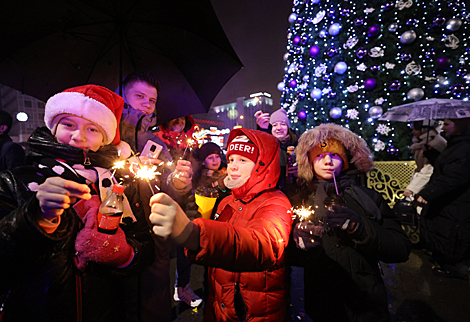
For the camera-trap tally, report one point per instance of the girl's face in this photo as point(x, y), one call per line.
point(448, 128)
point(212, 162)
point(239, 167)
point(325, 164)
point(80, 133)
point(279, 130)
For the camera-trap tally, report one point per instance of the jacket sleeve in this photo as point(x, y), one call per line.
point(420, 179)
point(455, 173)
point(386, 240)
point(258, 246)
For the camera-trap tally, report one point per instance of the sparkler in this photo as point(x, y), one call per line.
point(189, 144)
point(336, 186)
point(145, 172)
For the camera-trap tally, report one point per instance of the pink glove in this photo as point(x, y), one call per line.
point(93, 246)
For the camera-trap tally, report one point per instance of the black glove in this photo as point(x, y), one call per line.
point(346, 219)
point(191, 208)
point(307, 235)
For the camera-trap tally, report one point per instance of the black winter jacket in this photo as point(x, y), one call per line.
point(40, 281)
point(446, 217)
point(342, 277)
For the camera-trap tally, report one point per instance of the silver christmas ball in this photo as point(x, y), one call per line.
point(415, 94)
point(453, 24)
point(292, 17)
point(393, 27)
point(375, 112)
point(336, 112)
point(281, 86)
point(408, 37)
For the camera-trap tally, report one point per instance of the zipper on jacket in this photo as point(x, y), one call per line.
point(86, 159)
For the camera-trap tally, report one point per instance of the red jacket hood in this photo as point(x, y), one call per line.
point(267, 168)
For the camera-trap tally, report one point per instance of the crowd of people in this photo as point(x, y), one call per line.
point(59, 262)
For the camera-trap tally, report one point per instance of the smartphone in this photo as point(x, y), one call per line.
point(151, 149)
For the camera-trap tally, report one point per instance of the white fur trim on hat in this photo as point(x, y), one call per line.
point(78, 104)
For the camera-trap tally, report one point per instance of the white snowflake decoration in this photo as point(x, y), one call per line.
point(352, 114)
point(319, 17)
point(326, 90)
point(303, 86)
point(362, 67)
point(429, 38)
point(293, 107)
point(451, 41)
point(403, 4)
point(429, 79)
point(293, 67)
point(369, 10)
point(383, 129)
point(379, 101)
point(320, 70)
point(379, 146)
point(351, 42)
point(413, 68)
point(352, 88)
point(376, 52)
point(389, 65)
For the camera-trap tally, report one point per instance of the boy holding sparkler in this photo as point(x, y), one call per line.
point(339, 246)
point(55, 265)
point(244, 246)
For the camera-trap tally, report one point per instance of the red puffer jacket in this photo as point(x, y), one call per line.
point(245, 245)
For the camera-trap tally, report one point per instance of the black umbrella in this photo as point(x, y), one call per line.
point(48, 46)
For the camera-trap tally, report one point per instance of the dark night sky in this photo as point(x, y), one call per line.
point(257, 30)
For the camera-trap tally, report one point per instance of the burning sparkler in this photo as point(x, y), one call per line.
point(304, 214)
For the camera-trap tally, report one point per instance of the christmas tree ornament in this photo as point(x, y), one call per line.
point(358, 22)
point(415, 94)
point(341, 67)
point(393, 27)
point(361, 52)
point(303, 40)
point(280, 86)
point(323, 33)
point(408, 37)
point(334, 29)
point(389, 6)
point(331, 51)
point(438, 21)
point(375, 112)
point(373, 31)
point(443, 63)
point(331, 94)
point(375, 69)
point(395, 85)
point(293, 83)
point(313, 51)
point(336, 112)
point(345, 12)
point(405, 56)
point(331, 13)
point(302, 115)
point(370, 84)
point(411, 22)
point(300, 95)
point(316, 93)
point(296, 40)
point(292, 17)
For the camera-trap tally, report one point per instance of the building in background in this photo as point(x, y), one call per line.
point(27, 112)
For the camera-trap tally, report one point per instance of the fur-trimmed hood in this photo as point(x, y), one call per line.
point(356, 148)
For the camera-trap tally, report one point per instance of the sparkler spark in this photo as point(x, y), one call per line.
point(303, 213)
point(147, 172)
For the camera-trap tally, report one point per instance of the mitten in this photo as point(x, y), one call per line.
point(307, 235)
point(346, 219)
point(192, 208)
point(93, 246)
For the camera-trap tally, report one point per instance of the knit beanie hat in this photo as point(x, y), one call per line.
point(279, 116)
point(207, 149)
point(242, 145)
point(331, 145)
point(94, 103)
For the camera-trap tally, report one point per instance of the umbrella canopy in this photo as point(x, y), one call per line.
point(52, 45)
point(430, 109)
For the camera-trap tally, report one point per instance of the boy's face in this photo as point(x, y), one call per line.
point(239, 167)
point(212, 162)
point(279, 130)
point(80, 133)
point(142, 97)
point(325, 164)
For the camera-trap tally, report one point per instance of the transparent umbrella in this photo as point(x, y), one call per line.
point(430, 109)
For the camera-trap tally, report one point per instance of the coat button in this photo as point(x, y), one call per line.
point(240, 208)
point(223, 305)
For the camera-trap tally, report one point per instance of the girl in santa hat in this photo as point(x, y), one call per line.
point(55, 264)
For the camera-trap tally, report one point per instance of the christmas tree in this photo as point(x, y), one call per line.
point(348, 62)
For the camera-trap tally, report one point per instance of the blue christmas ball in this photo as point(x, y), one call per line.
point(334, 29)
point(314, 50)
point(341, 67)
point(316, 93)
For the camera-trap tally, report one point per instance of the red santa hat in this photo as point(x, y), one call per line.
point(94, 103)
point(242, 145)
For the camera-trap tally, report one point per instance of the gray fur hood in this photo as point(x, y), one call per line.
point(356, 148)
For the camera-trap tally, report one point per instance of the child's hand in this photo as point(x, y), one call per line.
point(183, 174)
point(262, 119)
point(57, 194)
point(167, 216)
